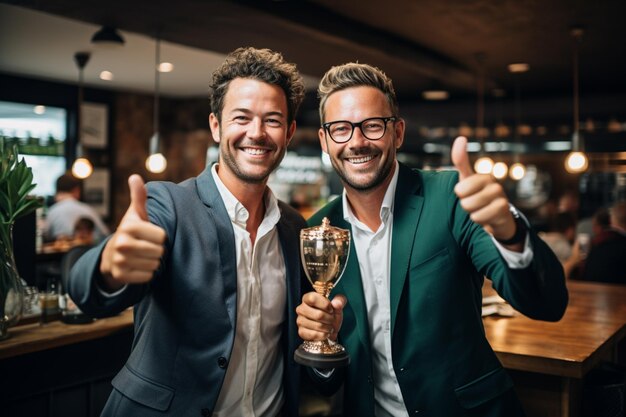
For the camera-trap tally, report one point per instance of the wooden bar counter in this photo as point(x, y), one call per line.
point(549, 360)
point(37, 337)
point(59, 369)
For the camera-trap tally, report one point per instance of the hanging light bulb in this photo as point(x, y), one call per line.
point(81, 167)
point(517, 171)
point(156, 161)
point(500, 169)
point(576, 162)
point(483, 165)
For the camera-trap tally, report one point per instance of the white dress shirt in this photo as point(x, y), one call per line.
point(373, 249)
point(253, 385)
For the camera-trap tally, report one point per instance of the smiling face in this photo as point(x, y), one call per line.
point(253, 132)
point(362, 164)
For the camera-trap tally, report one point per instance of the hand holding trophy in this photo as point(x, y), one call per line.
point(324, 250)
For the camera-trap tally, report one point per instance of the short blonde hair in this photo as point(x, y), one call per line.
point(354, 74)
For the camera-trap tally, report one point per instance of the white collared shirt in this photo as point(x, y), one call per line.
point(253, 385)
point(373, 249)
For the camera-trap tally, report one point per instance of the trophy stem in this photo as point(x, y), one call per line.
point(323, 288)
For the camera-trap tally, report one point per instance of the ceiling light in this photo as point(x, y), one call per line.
point(106, 76)
point(156, 162)
point(39, 109)
point(435, 95)
point(81, 167)
point(108, 35)
point(483, 165)
point(500, 169)
point(519, 67)
point(576, 162)
point(435, 91)
point(166, 67)
point(517, 171)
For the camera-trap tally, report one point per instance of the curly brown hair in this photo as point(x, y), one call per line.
point(258, 64)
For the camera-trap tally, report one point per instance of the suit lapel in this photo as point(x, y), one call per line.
point(210, 196)
point(407, 209)
point(291, 254)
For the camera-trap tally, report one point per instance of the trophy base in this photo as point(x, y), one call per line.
point(321, 361)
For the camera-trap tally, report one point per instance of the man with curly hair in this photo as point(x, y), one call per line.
point(211, 265)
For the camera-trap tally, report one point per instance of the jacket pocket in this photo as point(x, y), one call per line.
point(142, 390)
point(483, 389)
point(432, 262)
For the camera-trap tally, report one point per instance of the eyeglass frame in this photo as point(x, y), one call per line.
point(326, 126)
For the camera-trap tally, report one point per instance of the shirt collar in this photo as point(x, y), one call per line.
point(236, 211)
point(385, 208)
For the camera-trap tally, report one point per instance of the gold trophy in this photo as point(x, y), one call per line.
point(324, 250)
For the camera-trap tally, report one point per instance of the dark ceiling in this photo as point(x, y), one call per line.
point(415, 42)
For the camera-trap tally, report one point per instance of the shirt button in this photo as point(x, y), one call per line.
point(222, 362)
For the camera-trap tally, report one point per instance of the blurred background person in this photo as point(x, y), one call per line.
point(561, 238)
point(601, 227)
point(63, 215)
point(83, 231)
point(607, 259)
point(561, 234)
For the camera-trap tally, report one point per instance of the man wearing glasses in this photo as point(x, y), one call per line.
point(422, 243)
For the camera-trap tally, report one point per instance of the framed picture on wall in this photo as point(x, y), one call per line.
point(97, 192)
point(94, 125)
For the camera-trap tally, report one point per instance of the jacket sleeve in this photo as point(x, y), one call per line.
point(537, 291)
point(88, 295)
point(85, 274)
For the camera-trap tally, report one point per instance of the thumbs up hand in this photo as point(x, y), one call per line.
point(482, 196)
point(133, 253)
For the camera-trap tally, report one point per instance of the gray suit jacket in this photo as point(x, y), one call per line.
point(185, 317)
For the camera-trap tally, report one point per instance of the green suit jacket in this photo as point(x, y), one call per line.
point(442, 359)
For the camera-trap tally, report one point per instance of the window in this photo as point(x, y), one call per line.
point(39, 132)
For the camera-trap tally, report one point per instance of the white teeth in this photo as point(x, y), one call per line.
point(360, 160)
point(253, 151)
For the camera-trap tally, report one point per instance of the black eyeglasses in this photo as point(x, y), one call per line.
point(374, 128)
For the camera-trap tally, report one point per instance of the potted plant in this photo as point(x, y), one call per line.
point(16, 182)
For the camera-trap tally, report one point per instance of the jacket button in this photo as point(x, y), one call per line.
point(222, 362)
point(369, 379)
point(205, 412)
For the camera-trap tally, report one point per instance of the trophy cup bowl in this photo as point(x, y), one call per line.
point(324, 250)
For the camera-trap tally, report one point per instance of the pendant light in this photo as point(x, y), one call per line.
point(82, 167)
point(484, 164)
point(518, 170)
point(576, 162)
point(156, 162)
point(109, 36)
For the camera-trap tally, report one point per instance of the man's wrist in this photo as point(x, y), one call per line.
point(520, 230)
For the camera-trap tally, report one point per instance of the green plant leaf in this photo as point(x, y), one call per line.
point(16, 182)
